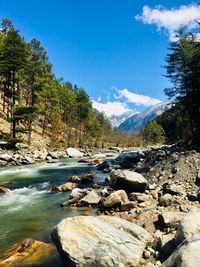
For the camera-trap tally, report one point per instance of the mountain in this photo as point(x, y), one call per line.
point(116, 120)
point(138, 121)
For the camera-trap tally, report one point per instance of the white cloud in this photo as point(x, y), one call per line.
point(99, 99)
point(137, 99)
point(111, 108)
point(171, 19)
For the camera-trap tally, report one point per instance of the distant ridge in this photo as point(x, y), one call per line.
point(139, 120)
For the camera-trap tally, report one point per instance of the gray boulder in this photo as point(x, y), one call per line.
point(128, 180)
point(115, 199)
point(128, 159)
point(92, 198)
point(64, 187)
point(86, 241)
point(186, 255)
point(74, 153)
point(189, 226)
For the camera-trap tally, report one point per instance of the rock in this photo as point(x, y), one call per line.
point(192, 197)
point(189, 226)
point(186, 255)
point(87, 178)
point(198, 178)
point(165, 200)
point(115, 199)
point(166, 242)
point(106, 164)
point(128, 159)
point(74, 153)
point(92, 198)
point(128, 206)
point(105, 192)
point(170, 218)
point(147, 219)
point(78, 193)
point(75, 179)
point(95, 162)
point(6, 157)
point(99, 156)
point(64, 187)
point(128, 180)
point(138, 197)
point(29, 160)
point(53, 155)
point(83, 161)
point(115, 148)
point(173, 189)
point(29, 252)
point(96, 186)
point(4, 190)
point(86, 241)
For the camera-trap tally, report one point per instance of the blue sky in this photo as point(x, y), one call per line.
point(102, 46)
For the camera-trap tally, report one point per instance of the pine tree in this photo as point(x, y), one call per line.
point(183, 70)
point(13, 59)
point(153, 133)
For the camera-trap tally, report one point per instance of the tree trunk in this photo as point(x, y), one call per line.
point(13, 134)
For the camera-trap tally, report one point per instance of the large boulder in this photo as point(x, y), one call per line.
point(74, 153)
point(87, 241)
point(115, 199)
point(64, 187)
point(128, 159)
point(189, 226)
point(186, 255)
point(29, 252)
point(128, 180)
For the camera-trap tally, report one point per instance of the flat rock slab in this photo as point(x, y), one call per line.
point(87, 241)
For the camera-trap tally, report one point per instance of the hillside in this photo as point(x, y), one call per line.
point(139, 120)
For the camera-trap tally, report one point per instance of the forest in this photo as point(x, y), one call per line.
point(32, 97)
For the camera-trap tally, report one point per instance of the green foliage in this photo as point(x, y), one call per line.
point(153, 133)
point(31, 93)
point(175, 123)
point(183, 70)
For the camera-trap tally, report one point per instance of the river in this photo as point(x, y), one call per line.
point(31, 210)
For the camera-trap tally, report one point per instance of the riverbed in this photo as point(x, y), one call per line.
point(31, 209)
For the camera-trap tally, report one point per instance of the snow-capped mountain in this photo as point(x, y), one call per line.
point(138, 121)
point(116, 120)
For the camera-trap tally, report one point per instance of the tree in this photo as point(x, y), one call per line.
point(153, 133)
point(37, 71)
point(13, 58)
point(175, 123)
point(183, 70)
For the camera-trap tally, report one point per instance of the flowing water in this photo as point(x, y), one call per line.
point(31, 210)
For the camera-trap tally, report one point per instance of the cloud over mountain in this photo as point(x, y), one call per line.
point(111, 108)
point(137, 99)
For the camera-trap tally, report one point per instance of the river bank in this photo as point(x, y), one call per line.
point(151, 188)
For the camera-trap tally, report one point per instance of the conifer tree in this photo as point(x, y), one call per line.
point(13, 59)
point(183, 70)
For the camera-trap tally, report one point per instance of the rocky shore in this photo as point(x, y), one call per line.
point(148, 210)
